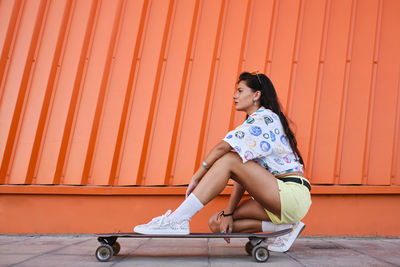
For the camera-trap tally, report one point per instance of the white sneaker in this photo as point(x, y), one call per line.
point(283, 243)
point(162, 225)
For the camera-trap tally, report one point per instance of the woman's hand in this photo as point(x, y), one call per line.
point(226, 226)
point(195, 180)
point(191, 186)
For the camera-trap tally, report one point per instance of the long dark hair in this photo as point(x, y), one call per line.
point(269, 99)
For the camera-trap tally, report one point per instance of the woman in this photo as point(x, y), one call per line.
point(262, 157)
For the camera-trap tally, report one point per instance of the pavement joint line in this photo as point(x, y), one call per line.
point(336, 244)
point(131, 251)
point(363, 253)
point(48, 252)
point(294, 258)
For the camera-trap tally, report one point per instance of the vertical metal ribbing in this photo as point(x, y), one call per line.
point(180, 130)
point(212, 85)
point(246, 27)
point(367, 145)
point(318, 89)
point(113, 179)
point(156, 100)
point(296, 48)
point(30, 176)
point(10, 36)
point(58, 176)
point(158, 76)
point(189, 52)
point(396, 136)
point(271, 39)
point(15, 122)
point(100, 102)
point(218, 41)
point(339, 148)
point(12, 30)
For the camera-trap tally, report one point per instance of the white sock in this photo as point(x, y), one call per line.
point(189, 207)
point(269, 226)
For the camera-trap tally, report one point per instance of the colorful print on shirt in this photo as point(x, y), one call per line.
point(261, 138)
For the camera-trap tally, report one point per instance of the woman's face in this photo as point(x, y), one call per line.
point(244, 98)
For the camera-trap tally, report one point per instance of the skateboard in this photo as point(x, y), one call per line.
point(254, 247)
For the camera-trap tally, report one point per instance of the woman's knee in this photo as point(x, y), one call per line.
point(213, 223)
point(229, 159)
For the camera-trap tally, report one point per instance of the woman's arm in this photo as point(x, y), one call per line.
point(235, 198)
point(218, 151)
point(226, 224)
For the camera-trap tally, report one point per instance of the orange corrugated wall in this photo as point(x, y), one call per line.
point(107, 92)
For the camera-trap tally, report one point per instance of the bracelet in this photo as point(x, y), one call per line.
point(222, 213)
point(205, 165)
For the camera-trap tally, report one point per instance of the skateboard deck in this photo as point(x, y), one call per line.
point(254, 247)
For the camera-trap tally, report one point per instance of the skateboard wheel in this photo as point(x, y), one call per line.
point(116, 248)
point(249, 248)
point(260, 254)
point(104, 252)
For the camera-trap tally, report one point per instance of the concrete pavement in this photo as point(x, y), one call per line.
point(79, 250)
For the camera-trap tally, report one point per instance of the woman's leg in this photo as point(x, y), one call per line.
point(260, 184)
point(256, 180)
point(247, 218)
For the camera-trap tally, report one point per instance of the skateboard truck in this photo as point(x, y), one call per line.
point(109, 247)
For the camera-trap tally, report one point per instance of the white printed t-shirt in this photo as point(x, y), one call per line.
point(261, 138)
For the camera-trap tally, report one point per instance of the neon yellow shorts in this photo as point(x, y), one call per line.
point(295, 202)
